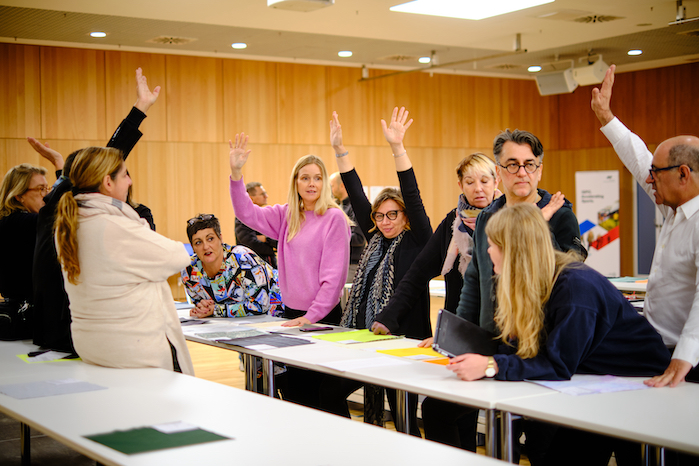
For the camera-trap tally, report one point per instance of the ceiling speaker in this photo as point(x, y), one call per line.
point(591, 74)
point(558, 82)
point(299, 5)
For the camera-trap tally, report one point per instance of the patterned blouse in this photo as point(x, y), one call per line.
point(245, 285)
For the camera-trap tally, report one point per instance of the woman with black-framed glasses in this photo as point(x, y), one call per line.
point(396, 227)
point(21, 197)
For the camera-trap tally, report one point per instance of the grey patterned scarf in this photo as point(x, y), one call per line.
point(382, 285)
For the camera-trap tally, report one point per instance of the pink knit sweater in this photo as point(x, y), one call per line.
point(313, 265)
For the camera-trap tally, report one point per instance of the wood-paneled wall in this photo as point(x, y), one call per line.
point(74, 97)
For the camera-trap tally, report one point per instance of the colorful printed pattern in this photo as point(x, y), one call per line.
point(246, 285)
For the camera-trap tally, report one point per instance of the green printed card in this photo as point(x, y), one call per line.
point(145, 439)
point(355, 336)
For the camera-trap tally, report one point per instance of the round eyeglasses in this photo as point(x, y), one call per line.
point(513, 168)
point(391, 214)
point(43, 189)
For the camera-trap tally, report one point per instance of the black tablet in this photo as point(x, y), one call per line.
point(456, 335)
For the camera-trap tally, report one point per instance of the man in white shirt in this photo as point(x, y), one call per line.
point(671, 176)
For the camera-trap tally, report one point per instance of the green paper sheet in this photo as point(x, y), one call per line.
point(144, 439)
point(355, 336)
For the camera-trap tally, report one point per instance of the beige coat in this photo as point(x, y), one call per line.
point(122, 310)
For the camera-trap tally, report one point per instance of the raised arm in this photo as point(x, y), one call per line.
point(394, 133)
point(238, 155)
point(127, 134)
point(46, 152)
point(602, 97)
point(344, 164)
point(145, 98)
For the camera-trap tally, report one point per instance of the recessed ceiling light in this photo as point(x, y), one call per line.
point(344, 54)
point(634, 52)
point(424, 59)
point(98, 34)
point(466, 10)
point(239, 45)
point(534, 69)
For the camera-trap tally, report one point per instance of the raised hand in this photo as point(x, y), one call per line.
point(336, 134)
point(238, 155)
point(552, 207)
point(46, 152)
point(602, 97)
point(344, 163)
point(395, 130)
point(144, 96)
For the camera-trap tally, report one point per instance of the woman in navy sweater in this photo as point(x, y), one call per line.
point(558, 317)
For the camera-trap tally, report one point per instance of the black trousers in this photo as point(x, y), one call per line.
point(333, 317)
point(329, 393)
point(450, 423)
point(335, 390)
point(302, 386)
point(454, 424)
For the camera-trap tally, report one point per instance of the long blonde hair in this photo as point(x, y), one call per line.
point(16, 183)
point(530, 267)
point(89, 168)
point(296, 214)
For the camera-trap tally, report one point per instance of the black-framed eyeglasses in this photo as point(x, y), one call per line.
point(513, 168)
point(43, 189)
point(200, 218)
point(391, 214)
point(654, 169)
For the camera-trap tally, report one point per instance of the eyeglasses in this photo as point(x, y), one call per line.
point(657, 170)
point(200, 218)
point(391, 214)
point(43, 189)
point(513, 168)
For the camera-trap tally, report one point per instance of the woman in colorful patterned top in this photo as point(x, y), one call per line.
point(224, 280)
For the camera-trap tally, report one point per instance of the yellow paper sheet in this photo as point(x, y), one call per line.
point(408, 352)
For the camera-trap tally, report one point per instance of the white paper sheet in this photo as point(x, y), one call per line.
point(353, 364)
point(589, 384)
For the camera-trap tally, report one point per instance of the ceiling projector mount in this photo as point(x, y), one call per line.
point(567, 80)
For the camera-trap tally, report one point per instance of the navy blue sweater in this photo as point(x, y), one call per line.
point(589, 328)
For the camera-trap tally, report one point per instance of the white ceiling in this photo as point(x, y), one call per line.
point(378, 37)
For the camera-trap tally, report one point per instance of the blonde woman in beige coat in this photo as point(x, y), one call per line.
point(115, 269)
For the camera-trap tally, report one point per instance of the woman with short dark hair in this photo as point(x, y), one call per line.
point(224, 280)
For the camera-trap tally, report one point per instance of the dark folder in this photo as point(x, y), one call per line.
point(456, 335)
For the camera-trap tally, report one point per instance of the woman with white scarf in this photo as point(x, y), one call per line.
point(116, 269)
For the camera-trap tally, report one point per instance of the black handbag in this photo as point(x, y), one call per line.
point(15, 320)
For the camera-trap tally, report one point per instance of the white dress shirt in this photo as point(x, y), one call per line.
point(672, 298)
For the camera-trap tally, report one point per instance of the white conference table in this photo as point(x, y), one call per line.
point(414, 376)
point(663, 417)
point(629, 284)
point(265, 430)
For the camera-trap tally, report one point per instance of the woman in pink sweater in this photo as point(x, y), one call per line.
point(313, 234)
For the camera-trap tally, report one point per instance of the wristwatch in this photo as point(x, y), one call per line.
point(490, 370)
